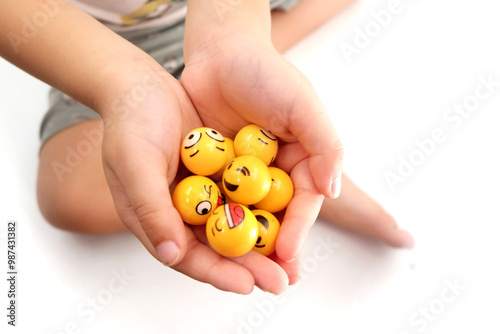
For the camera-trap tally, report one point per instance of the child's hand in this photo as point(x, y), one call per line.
point(241, 79)
point(141, 157)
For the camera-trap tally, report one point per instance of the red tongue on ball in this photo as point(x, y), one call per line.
point(235, 214)
point(220, 201)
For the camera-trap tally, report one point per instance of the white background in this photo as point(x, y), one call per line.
point(394, 91)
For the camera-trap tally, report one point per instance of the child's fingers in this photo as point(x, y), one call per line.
point(301, 213)
point(357, 211)
point(142, 198)
point(292, 268)
point(267, 274)
point(311, 124)
point(205, 265)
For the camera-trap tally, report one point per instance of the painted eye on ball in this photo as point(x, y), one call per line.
point(215, 135)
point(204, 207)
point(191, 140)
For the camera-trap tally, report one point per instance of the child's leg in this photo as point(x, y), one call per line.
point(77, 198)
point(355, 210)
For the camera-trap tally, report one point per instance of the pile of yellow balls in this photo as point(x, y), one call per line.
point(238, 209)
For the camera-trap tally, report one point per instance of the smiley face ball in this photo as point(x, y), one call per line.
point(253, 140)
point(280, 194)
point(204, 151)
point(195, 198)
point(269, 227)
point(246, 180)
point(232, 230)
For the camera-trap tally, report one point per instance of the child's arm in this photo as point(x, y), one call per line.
point(68, 49)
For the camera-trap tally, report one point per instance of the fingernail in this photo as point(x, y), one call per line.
point(335, 187)
point(407, 240)
point(168, 253)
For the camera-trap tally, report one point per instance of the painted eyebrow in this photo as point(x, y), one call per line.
point(208, 191)
point(265, 134)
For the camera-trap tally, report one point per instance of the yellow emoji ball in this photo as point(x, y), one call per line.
point(280, 194)
point(246, 180)
point(195, 198)
point(232, 230)
point(253, 140)
point(203, 151)
point(226, 199)
point(269, 227)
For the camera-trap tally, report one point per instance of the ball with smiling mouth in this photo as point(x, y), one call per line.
point(246, 180)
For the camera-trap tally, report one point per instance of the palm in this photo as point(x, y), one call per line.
point(230, 91)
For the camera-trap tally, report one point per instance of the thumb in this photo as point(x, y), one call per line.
point(296, 107)
point(142, 199)
point(310, 123)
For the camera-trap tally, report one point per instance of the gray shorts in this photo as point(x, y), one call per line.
point(163, 44)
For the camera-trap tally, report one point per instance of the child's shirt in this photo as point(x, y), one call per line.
point(123, 15)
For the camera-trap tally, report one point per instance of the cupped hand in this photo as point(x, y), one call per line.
point(240, 79)
point(145, 121)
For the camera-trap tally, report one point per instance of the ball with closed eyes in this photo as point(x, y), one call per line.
point(204, 151)
point(253, 140)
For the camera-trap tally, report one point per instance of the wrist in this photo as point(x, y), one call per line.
point(209, 23)
point(127, 85)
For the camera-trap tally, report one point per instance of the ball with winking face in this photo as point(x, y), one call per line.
point(232, 230)
point(195, 198)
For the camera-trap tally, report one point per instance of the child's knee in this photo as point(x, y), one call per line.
point(74, 206)
point(56, 203)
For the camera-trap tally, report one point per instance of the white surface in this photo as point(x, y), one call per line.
point(394, 92)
